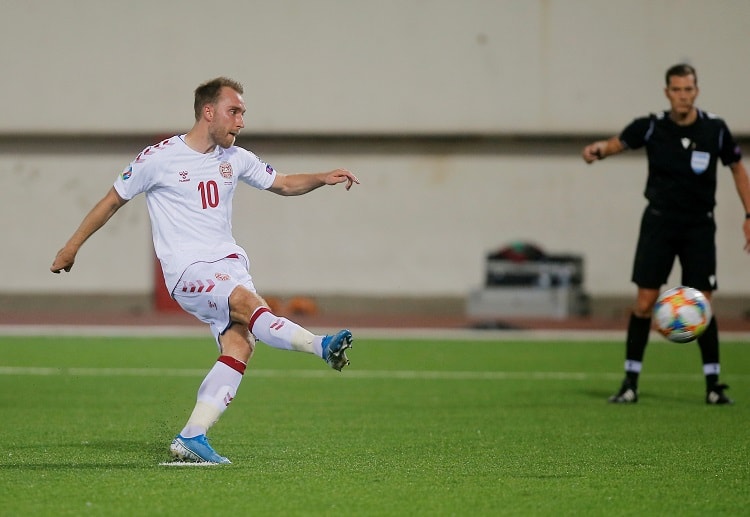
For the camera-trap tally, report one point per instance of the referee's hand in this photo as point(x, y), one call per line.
point(593, 152)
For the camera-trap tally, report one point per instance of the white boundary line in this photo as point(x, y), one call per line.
point(443, 375)
point(363, 332)
point(104, 330)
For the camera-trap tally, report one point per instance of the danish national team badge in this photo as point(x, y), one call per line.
point(225, 169)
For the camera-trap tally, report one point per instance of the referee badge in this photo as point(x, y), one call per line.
point(699, 161)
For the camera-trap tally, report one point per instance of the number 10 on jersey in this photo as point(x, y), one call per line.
point(209, 194)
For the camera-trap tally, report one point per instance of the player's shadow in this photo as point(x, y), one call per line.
point(116, 454)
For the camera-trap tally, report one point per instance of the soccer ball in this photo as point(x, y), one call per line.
point(682, 314)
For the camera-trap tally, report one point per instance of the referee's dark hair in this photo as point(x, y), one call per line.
point(681, 70)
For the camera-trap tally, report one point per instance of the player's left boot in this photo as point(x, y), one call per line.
point(715, 395)
point(334, 349)
point(195, 450)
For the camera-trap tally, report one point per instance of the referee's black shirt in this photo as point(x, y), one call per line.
point(682, 160)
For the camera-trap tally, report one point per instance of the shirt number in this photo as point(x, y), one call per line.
point(209, 194)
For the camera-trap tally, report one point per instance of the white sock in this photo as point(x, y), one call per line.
point(711, 369)
point(216, 392)
point(633, 366)
point(282, 333)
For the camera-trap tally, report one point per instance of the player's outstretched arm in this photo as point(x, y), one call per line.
point(601, 149)
point(94, 220)
point(298, 184)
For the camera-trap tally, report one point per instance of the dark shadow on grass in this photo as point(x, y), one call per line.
point(547, 476)
point(150, 454)
point(648, 396)
point(80, 466)
point(108, 445)
point(601, 395)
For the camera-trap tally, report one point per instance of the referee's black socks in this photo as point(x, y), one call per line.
point(709, 345)
point(638, 331)
point(635, 345)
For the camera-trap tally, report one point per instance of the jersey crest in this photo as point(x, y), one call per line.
point(225, 169)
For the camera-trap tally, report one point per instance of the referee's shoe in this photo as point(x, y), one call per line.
point(715, 395)
point(628, 393)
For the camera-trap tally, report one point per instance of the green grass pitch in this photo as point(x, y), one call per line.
point(412, 427)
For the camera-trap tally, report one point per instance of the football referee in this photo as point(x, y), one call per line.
point(683, 146)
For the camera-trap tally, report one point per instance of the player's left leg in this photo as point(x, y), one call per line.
point(203, 292)
point(228, 307)
point(216, 392)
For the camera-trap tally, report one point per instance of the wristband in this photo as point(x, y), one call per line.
point(747, 215)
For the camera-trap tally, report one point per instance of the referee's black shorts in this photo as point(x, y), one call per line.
point(665, 236)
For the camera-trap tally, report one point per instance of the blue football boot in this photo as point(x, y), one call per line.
point(195, 450)
point(334, 349)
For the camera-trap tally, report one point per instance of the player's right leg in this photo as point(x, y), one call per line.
point(249, 308)
point(334, 349)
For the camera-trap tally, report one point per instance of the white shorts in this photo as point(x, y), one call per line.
point(204, 289)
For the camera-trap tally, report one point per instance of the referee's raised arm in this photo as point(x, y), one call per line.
point(601, 149)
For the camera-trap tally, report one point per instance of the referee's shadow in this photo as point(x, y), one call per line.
point(603, 395)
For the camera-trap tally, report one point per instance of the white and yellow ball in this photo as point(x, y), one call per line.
point(682, 314)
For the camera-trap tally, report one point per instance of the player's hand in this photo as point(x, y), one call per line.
point(63, 261)
point(339, 176)
point(746, 229)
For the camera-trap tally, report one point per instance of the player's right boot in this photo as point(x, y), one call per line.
point(195, 450)
point(628, 394)
point(334, 349)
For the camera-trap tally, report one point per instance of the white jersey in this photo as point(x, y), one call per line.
point(189, 198)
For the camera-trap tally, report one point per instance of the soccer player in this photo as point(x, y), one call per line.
point(189, 181)
point(683, 146)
